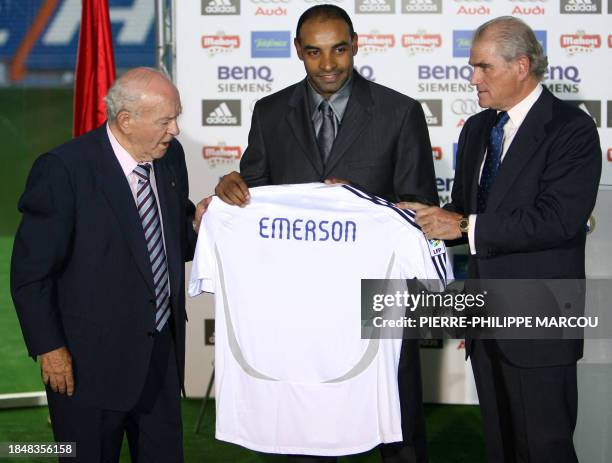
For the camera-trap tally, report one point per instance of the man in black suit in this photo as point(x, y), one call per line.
point(527, 176)
point(335, 126)
point(97, 275)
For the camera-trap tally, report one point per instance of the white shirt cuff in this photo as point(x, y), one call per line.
point(472, 233)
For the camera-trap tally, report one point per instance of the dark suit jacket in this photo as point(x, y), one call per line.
point(382, 145)
point(535, 223)
point(80, 273)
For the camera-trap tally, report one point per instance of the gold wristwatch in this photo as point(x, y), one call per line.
point(464, 225)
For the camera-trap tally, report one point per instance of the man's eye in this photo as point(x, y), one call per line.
point(313, 52)
point(340, 49)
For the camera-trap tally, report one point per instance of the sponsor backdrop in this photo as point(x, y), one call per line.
point(230, 53)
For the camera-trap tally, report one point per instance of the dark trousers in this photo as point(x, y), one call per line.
point(528, 414)
point(413, 449)
point(153, 427)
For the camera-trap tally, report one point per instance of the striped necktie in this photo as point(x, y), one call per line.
point(151, 225)
point(325, 137)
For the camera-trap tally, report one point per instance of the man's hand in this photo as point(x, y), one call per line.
point(334, 181)
point(435, 222)
point(233, 190)
point(199, 212)
point(56, 370)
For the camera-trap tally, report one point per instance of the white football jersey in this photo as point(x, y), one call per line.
point(293, 374)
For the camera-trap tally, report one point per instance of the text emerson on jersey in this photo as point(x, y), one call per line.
point(307, 229)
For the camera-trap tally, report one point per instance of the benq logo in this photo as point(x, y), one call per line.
point(221, 154)
point(220, 112)
point(270, 44)
point(220, 7)
point(580, 6)
point(374, 6)
point(580, 43)
point(462, 41)
point(375, 43)
point(421, 6)
point(591, 107)
point(209, 331)
point(421, 42)
point(217, 44)
point(433, 112)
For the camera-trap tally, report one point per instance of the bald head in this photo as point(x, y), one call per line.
point(143, 107)
point(137, 90)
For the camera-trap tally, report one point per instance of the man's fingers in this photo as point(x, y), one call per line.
point(233, 190)
point(69, 383)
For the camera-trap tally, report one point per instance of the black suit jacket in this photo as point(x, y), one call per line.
point(382, 145)
point(80, 273)
point(534, 226)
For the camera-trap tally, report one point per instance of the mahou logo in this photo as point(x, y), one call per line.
point(375, 43)
point(580, 6)
point(580, 43)
point(221, 154)
point(220, 43)
point(421, 42)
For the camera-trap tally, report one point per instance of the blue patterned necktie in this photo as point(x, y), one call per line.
point(151, 225)
point(492, 161)
point(325, 137)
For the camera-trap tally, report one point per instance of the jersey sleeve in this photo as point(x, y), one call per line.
point(204, 267)
point(421, 258)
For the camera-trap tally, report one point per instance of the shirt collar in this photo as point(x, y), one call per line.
point(519, 111)
point(126, 161)
point(337, 101)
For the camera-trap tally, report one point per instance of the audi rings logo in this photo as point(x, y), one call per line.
point(465, 107)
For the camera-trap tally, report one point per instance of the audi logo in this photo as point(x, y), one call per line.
point(465, 107)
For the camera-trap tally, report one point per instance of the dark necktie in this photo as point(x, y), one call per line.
point(325, 138)
point(492, 161)
point(151, 225)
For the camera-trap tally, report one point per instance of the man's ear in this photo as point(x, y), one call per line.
point(355, 44)
point(523, 66)
point(123, 120)
point(298, 49)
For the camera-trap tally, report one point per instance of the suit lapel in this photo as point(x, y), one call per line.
point(482, 142)
point(525, 143)
point(356, 117)
point(117, 191)
point(166, 184)
point(299, 120)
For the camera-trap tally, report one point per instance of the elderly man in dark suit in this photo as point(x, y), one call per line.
point(97, 275)
point(335, 126)
point(527, 176)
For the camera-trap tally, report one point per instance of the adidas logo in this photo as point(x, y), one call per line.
point(375, 6)
point(580, 6)
point(433, 111)
point(422, 6)
point(218, 112)
point(220, 6)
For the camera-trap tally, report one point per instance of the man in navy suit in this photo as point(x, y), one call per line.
point(97, 275)
point(527, 175)
point(336, 126)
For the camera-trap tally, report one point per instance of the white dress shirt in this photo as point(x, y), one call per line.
point(516, 115)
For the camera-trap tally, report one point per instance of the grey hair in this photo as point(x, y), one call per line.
point(514, 38)
point(124, 96)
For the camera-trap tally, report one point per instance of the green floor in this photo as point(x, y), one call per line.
point(453, 431)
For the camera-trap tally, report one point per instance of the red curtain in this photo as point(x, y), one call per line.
point(95, 67)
